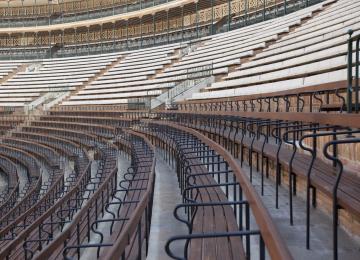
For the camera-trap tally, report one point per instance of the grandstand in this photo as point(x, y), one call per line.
point(183, 129)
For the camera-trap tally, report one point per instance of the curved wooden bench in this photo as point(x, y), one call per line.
point(102, 111)
point(27, 159)
point(100, 130)
point(9, 199)
point(275, 247)
point(63, 146)
point(128, 213)
point(318, 174)
point(86, 140)
point(49, 155)
point(69, 149)
point(45, 223)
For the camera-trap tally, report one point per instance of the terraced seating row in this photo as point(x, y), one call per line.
point(130, 78)
point(85, 140)
point(291, 141)
point(9, 122)
point(9, 196)
point(139, 74)
point(45, 225)
point(98, 129)
point(130, 220)
point(49, 155)
point(20, 221)
point(115, 122)
point(327, 98)
point(214, 191)
point(98, 111)
point(52, 75)
point(313, 54)
point(8, 67)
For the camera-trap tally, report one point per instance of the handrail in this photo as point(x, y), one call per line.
point(116, 251)
point(66, 234)
point(276, 246)
point(353, 80)
point(9, 167)
point(266, 99)
point(345, 120)
point(20, 238)
point(125, 234)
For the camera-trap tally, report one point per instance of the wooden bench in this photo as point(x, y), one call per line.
point(134, 185)
point(99, 130)
point(212, 219)
point(11, 194)
point(210, 212)
point(320, 175)
point(83, 139)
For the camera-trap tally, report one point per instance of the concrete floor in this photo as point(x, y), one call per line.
point(90, 253)
point(22, 174)
point(320, 230)
point(3, 182)
point(164, 225)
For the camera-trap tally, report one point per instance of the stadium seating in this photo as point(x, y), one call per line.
point(300, 59)
point(129, 78)
point(234, 137)
point(9, 196)
point(56, 75)
point(263, 137)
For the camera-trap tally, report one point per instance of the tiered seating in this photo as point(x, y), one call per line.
point(131, 78)
point(8, 67)
point(140, 77)
point(9, 197)
point(31, 190)
point(58, 214)
point(65, 200)
point(212, 187)
point(132, 199)
point(262, 137)
point(313, 54)
point(49, 158)
point(229, 49)
point(8, 123)
point(53, 75)
point(220, 51)
point(104, 182)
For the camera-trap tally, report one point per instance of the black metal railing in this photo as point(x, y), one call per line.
point(284, 142)
point(202, 165)
point(353, 73)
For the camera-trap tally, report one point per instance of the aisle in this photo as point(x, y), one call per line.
point(164, 225)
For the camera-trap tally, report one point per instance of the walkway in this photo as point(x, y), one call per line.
point(164, 225)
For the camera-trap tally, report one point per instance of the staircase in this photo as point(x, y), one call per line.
point(46, 99)
point(181, 91)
